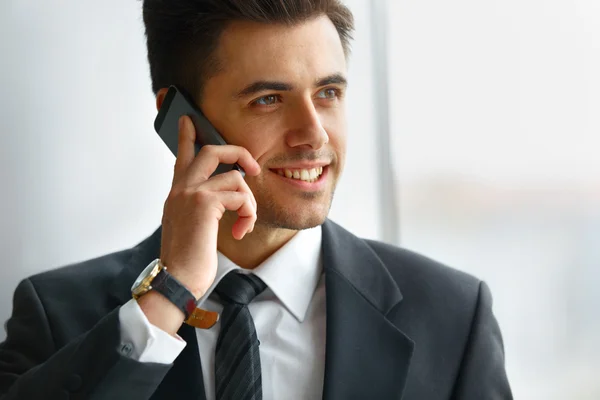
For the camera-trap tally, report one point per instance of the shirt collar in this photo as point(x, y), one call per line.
point(292, 272)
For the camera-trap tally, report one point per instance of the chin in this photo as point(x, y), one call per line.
point(303, 217)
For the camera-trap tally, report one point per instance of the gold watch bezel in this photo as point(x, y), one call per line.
point(146, 284)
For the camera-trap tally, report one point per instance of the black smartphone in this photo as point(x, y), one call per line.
point(166, 124)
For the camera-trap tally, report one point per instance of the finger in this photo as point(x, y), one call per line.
point(229, 181)
point(210, 156)
point(242, 227)
point(239, 202)
point(185, 146)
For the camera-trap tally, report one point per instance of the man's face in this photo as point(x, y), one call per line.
point(280, 95)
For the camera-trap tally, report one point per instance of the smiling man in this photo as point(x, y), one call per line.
point(247, 290)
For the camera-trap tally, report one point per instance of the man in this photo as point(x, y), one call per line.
point(307, 310)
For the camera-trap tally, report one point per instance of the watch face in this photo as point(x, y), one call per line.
point(147, 272)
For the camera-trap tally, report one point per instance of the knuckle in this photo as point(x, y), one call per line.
point(234, 175)
point(208, 149)
point(245, 198)
point(173, 195)
point(250, 202)
point(202, 197)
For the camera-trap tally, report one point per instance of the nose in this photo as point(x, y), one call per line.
point(305, 127)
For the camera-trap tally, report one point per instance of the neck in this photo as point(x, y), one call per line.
point(255, 247)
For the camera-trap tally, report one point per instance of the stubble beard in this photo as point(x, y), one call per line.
point(273, 215)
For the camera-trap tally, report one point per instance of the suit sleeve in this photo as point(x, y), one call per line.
point(482, 374)
point(32, 368)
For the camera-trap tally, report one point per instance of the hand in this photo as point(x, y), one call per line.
point(197, 202)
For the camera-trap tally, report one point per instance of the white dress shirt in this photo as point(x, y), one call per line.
point(289, 317)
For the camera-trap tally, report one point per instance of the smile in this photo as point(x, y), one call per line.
point(306, 175)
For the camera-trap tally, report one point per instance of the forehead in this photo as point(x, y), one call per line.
point(312, 49)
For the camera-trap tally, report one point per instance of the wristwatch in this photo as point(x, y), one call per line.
point(156, 277)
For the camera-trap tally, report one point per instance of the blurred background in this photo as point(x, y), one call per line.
point(474, 132)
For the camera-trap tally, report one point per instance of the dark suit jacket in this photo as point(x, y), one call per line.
point(399, 326)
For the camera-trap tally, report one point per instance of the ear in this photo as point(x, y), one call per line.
point(160, 97)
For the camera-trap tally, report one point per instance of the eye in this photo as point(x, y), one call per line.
point(266, 100)
point(328, 93)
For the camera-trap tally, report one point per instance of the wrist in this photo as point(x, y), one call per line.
point(195, 279)
point(156, 279)
point(167, 300)
point(161, 312)
point(191, 282)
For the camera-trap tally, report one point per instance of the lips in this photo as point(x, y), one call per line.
point(306, 175)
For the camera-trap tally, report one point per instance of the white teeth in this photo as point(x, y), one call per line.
point(307, 175)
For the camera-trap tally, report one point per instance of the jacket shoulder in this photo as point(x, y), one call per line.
point(94, 271)
point(75, 297)
point(415, 272)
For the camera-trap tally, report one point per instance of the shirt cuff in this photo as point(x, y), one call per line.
point(146, 342)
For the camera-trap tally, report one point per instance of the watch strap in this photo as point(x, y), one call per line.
point(167, 285)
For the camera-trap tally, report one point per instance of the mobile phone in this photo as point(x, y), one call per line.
point(177, 103)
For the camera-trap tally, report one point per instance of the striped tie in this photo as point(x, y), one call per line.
point(237, 361)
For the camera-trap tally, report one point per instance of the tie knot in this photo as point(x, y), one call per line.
point(239, 288)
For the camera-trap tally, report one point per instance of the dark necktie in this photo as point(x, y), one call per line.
point(237, 360)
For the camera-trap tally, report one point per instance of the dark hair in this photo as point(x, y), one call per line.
point(182, 35)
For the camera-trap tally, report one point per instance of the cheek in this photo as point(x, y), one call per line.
point(259, 142)
point(258, 146)
point(256, 135)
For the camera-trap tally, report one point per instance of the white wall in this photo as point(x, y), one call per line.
point(82, 170)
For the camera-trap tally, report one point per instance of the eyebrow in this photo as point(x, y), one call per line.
point(334, 79)
point(261, 86)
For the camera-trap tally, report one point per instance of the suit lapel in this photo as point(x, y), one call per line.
point(185, 376)
point(366, 355)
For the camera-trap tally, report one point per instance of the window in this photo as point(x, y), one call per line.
point(495, 124)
